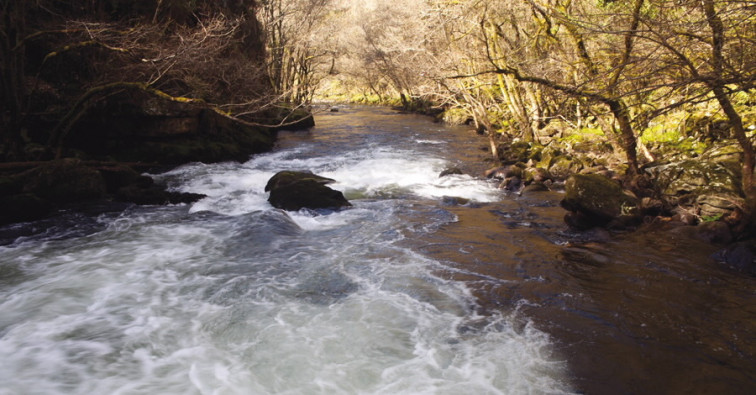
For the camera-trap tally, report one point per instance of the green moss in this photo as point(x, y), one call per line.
point(660, 133)
point(366, 99)
point(582, 135)
point(456, 116)
point(712, 218)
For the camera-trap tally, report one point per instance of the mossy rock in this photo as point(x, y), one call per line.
point(595, 200)
point(706, 188)
point(23, 207)
point(534, 188)
point(141, 127)
point(728, 155)
point(292, 191)
point(64, 181)
point(284, 178)
point(696, 177)
point(597, 146)
point(564, 166)
point(536, 174)
point(716, 205)
point(518, 151)
point(548, 155)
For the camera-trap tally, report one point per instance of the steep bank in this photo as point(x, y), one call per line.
point(94, 94)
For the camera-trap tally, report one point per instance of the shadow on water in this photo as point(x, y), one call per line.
point(636, 313)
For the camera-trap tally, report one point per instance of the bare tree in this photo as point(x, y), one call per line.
point(709, 46)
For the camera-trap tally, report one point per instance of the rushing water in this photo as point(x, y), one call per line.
point(407, 292)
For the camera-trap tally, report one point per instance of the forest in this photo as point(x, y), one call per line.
point(660, 92)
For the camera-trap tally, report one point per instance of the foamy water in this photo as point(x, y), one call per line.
point(231, 296)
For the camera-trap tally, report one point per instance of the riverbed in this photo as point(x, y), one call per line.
point(427, 285)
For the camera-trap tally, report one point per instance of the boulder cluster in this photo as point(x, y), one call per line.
point(702, 189)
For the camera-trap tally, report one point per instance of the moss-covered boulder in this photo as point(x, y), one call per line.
point(293, 190)
point(708, 189)
point(518, 151)
point(38, 192)
point(65, 181)
point(564, 166)
point(536, 174)
point(594, 200)
point(284, 178)
point(136, 126)
point(23, 207)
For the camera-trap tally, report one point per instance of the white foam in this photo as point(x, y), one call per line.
point(261, 301)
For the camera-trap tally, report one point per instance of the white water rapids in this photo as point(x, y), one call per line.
point(231, 296)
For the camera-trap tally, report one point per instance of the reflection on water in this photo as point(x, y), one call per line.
point(642, 312)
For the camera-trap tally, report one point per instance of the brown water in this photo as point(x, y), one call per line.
point(645, 312)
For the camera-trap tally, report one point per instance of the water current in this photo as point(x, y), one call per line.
point(426, 285)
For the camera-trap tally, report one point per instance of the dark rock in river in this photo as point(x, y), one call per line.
point(284, 178)
point(325, 287)
point(36, 193)
point(535, 187)
point(154, 195)
point(292, 191)
point(65, 181)
point(740, 256)
point(594, 200)
point(451, 171)
point(454, 201)
point(504, 172)
point(23, 207)
point(512, 184)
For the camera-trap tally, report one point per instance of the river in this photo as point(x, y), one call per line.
point(426, 285)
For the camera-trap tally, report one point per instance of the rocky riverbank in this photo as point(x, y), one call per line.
point(104, 155)
point(690, 193)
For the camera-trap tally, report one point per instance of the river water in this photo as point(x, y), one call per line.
point(427, 285)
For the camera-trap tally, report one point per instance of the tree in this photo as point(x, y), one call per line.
point(295, 52)
point(710, 46)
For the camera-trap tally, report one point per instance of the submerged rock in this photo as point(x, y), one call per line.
point(594, 200)
point(325, 287)
point(293, 190)
point(740, 256)
point(454, 201)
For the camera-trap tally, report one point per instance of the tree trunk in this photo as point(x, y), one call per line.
point(736, 123)
point(627, 136)
point(12, 74)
